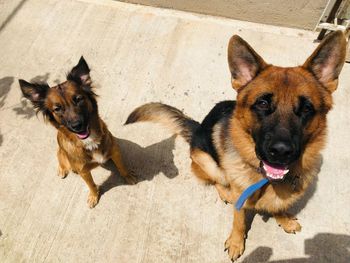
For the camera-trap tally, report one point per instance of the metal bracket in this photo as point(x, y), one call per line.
point(336, 16)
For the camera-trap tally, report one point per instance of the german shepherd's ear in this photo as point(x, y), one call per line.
point(36, 93)
point(245, 64)
point(80, 74)
point(327, 60)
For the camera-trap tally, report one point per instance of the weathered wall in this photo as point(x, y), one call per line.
point(290, 13)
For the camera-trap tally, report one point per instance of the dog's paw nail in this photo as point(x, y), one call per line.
point(92, 200)
point(131, 180)
point(62, 175)
point(235, 247)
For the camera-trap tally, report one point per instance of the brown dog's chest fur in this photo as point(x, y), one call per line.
point(88, 153)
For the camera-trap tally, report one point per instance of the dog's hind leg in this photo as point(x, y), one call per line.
point(224, 193)
point(117, 159)
point(208, 165)
point(64, 166)
point(200, 174)
point(205, 167)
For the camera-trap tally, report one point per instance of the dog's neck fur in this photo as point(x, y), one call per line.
point(93, 141)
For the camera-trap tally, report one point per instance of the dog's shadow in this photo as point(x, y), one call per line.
point(310, 191)
point(145, 162)
point(323, 247)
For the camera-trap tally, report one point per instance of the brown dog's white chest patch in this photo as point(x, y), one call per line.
point(91, 143)
point(99, 157)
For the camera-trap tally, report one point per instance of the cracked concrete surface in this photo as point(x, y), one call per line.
point(140, 54)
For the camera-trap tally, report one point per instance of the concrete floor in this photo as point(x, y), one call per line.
point(141, 54)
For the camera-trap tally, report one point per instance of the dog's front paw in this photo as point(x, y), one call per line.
point(234, 246)
point(93, 199)
point(289, 223)
point(62, 173)
point(130, 178)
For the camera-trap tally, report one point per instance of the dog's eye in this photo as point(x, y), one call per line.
point(57, 109)
point(78, 99)
point(307, 109)
point(262, 104)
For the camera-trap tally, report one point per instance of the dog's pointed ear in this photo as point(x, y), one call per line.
point(327, 60)
point(245, 64)
point(80, 73)
point(36, 93)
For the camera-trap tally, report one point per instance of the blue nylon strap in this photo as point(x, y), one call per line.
point(249, 192)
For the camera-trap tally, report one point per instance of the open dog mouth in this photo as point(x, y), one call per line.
point(83, 135)
point(273, 172)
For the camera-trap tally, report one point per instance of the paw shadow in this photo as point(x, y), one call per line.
point(145, 162)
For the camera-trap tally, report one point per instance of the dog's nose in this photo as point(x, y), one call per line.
point(77, 125)
point(281, 150)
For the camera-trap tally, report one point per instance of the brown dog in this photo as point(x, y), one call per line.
point(273, 133)
point(84, 141)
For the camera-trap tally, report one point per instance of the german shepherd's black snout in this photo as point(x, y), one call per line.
point(279, 146)
point(281, 150)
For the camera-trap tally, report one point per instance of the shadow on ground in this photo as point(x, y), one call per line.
point(25, 109)
point(12, 15)
point(301, 204)
point(151, 160)
point(5, 86)
point(324, 247)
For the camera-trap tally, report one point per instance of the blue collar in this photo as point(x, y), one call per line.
point(249, 192)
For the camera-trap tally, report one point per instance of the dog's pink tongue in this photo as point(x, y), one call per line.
point(83, 135)
point(275, 172)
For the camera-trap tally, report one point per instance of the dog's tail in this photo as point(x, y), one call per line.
point(166, 115)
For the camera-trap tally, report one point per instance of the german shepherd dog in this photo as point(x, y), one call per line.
point(274, 130)
point(84, 142)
